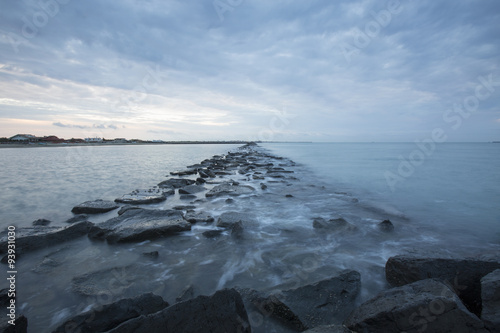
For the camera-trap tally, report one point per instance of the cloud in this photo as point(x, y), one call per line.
point(58, 124)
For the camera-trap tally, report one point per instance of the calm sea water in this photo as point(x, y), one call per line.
point(449, 204)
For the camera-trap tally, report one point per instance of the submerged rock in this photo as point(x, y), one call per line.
point(185, 295)
point(106, 317)
point(141, 224)
point(422, 306)
point(94, 207)
point(97, 283)
point(229, 219)
point(338, 224)
point(386, 226)
point(463, 275)
point(490, 294)
point(77, 218)
point(152, 254)
point(229, 189)
point(143, 197)
point(176, 183)
point(193, 217)
point(41, 222)
point(222, 312)
point(212, 233)
point(191, 189)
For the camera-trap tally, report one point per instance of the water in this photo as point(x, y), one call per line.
point(449, 205)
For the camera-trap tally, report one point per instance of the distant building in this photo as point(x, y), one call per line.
point(24, 138)
point(91, 140)
point(51, 139)
point(120, 140)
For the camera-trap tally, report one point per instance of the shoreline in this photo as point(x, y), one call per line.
point(27, 145)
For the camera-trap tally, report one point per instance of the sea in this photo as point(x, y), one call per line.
point(443, 200)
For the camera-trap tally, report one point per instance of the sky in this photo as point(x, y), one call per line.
point(281, 70)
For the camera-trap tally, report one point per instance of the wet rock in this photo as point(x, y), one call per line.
point(139, 225)
point(229, 219)
point(263, 186)
point(4, 297)
point(200, 181)
point(185, 295)
point(184, 173)
point(490, 294)
point(222, 312)
point(237, 230)
point(29, 239)
point(97, 283)
point(289, 196)
point(422, 306)
point(126, 208)
point(193, 217)
point(109, 316)
point(212, 233)
point(191, 189)
point(187, 197)
point(184, 207)
point(46, 265)
point(337, 225)
point(329, 329)
point(257, 177)
point(144, 197)
point(176, 183)
point(152, 254)
point(94, 207)
point(77, 218)
point(21, 325)
point(41, 222)
point(386, 226)
point(463, 275)
point(229, 189)
point(229, 200)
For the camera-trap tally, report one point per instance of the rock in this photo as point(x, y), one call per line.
point(97, 283)
point(263, 186)
point(222, 312)
point(152, 254)
point(187, 196)
point(200, 181)
point(462, 275)
point(237, 230)
point(176, 183)
point(29, 239)
point(144, 197)
point(78, 218)
point(191, 189)
point(184, 173)
point(212, 233)
point(94, 207)
point(4, 297)
point(329, 329)
point(186, 294)
point(193, 217)
point(21, 325)
point(229, 200)
point(386, 226)
point(229, 189)
point(203, 173)
point(126, 208)
point(289, 196)
point(41, 222)
point(490, 294)
point(338, 224)
point(422, 306)
point(184, 207)
point(46, 265)
point(138, 225)
point(107, 317)
point(229, 219)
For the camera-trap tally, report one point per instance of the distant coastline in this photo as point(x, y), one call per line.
point(97, 144)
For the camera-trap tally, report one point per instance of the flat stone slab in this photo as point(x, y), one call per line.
point(229, 189)
point(176, 183)
point(94, 207)
point(142, 197)
point(222, 312)
point(191, 189)
point(230, 219)
point(194, 217)
point(109, 316)
point(137, 225)
point(422, 306)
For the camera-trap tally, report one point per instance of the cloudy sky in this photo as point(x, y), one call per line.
point(316, 70)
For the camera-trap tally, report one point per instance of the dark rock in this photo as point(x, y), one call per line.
point(229, 200)
point(153, 254)
point(106, 317)
point(94, 207)
point(422, 306)
point(126, 208)
point(386, 226)
point(203, 173)
point(29, 239)
point(329, 329)
point(191, 189)
point(257, 177)
point(186, 294)
point(21, 325)
point(193, 217)
point(141, 224)
point(463, 275)
point(229, 219)
point(338, 224)
point(46, 265)
point(210, 173)
point(237, 230)
point(222, 312)
point(176, 183)
point(187, 196)
point(97, 283)
point(490, 294)
point(143, 197)
point(200, 181)
point(184, 173)
point(77, 218)
point(263, 186)
point(41, 222)
point(4, 297)
point(184, 207)
point(229, 189)
point(212, 233)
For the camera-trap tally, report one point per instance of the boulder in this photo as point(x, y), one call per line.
point(176, 183)
point(109, 316)
point(77, 218)
point(186, 294)
point(29, 239)
point(41, 222)
point(191, 189)
point(229, 189)
point(127, 207)
point(386, 226)
point(229, 219)
point(143, 197)
point(338, 224)
point(490, 294)
point(463, 275)
point(222, 312)
point(422, 306)
point(138, 225)
point(94, 207)
point(193, 217)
